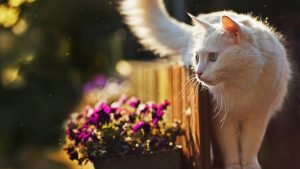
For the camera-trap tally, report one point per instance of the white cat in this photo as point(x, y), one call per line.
point(239, 58)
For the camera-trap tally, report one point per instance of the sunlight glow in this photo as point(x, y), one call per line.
point(20, 27)
point(124, 68)
point(8, 15)
point(30, 1)
point(27, 59)
point(11, 77)
point(16, 3)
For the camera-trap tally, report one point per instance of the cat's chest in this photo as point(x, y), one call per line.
point(238, 101)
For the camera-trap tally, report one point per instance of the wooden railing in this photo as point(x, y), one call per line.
point(160, 80)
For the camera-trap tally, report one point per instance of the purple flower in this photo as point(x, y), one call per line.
point(103, 107)
point(156, 116)
point(134, 102)
point(97, 82)
point(128, 133)
point(85, 135)
point(164, 105)
point(142, 125)
point(115, 108)
point(154, 121)
point(100, 80)
point(158, 113)
point(153, 106)
point(145, 108)
point(93, 119)
point(100, 115)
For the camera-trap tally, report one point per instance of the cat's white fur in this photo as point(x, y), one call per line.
point(249, 79)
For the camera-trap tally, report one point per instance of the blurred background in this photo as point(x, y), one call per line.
point(50, 49)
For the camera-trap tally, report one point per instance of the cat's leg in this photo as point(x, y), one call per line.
point(227, 137)
point(252, 131)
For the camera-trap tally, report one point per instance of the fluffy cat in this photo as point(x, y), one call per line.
point(240, 59)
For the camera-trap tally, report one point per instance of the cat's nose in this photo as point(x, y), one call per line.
point(199, 73)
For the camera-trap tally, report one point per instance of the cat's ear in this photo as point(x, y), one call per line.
point(231, 26)
point(199, 22)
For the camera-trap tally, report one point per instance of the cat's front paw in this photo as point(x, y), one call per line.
point(251, 166)
point(233, 166)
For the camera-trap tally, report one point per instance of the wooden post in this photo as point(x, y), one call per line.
point(205, 129)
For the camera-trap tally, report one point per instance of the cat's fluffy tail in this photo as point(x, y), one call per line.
point(155, 29)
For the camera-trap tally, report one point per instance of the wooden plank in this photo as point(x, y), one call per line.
point(205, 129)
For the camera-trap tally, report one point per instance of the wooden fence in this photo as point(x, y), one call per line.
point(160, 80)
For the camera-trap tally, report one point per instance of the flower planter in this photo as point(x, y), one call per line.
point(170, 159)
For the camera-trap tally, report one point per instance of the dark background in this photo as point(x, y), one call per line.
point(71, 41)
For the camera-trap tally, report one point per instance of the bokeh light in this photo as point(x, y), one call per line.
point(8, 15)
point(27, 59)
point(20, 27)
point(124, 68)
point(11, 77)
point(16, 3)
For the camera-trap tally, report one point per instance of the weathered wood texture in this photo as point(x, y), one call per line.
point(158, 81)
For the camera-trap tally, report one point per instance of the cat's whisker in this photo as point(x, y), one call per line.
point(214, 97)
point(189, 88)
point(223, 119)
point(191, 95)
point(217, 104)
point(220, 107)
point(195, 94)
point(185, 87)
point(217, 114)
point(187, 84)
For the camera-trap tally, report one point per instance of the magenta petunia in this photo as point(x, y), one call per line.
point(133, 102)
point(103, 107)
point(119, 128)
point(153, 106)
point(99, 116)
point(141, 125)
point(164, 105)
point(145, 108)
point(155, 121)
point(85, 135)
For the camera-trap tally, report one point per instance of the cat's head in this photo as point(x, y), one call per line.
point(220, 51)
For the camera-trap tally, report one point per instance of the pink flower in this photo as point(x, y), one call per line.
point(142, 125)
point(133, 102)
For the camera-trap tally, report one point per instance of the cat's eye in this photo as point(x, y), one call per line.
point(212, 56)
point(197, 57)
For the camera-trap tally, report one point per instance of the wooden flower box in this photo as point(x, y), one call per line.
point(170, 159)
